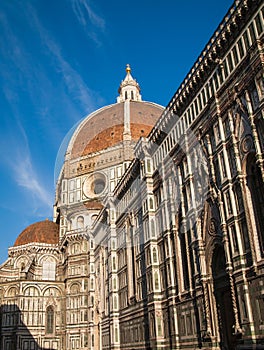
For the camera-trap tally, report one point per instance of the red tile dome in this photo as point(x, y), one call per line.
point(105, 127)
point(40, 232)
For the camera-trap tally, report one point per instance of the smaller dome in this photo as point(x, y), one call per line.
point(40, 232)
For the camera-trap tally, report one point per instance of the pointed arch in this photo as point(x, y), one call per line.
point(50, 319)
point(255, 197)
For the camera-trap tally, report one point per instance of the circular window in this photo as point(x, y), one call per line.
point(98, 186)
point(94, 185)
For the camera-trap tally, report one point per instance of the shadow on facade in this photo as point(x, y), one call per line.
point(14, 334)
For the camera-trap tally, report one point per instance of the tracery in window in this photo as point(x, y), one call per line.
point(50, 320)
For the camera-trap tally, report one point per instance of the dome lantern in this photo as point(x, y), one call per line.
point(129, 89)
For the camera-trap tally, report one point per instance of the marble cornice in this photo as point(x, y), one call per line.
point(33, 248)
point(223, 37)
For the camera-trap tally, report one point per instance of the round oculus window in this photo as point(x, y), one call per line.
point(94, 185)
point(98, 186)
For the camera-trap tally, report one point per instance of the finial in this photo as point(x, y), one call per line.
point(129, 88)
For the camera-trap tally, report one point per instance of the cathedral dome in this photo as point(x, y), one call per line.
point(40, 232)
point(128, 119)
point(106, 127)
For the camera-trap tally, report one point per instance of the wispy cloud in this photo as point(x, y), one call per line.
point(22, 169)
point(27, 78)
point(26, 177)
point(77, 88)
point(83, 10)
point(90, 20)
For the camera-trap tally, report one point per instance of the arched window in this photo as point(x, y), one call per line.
point(114, 263)
point(132, 95)
point(80, 222)
point(50, 320)
point(155, 257)
point(114, 284)
point(156, 280)
point(159, 326)
point(153, 230)
point(256, 188)
point(126, 95)
point(153, 326)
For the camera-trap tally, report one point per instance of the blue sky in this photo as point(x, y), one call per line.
point(61, 60)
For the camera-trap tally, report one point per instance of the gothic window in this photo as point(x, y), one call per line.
point(153, 231)
point(132, 95)
point(155, 255)
point(260, 308)
point(185, 199)
point(159, 326)
point(260, 126)
point(152, 326)
point(234, 238)
point(182, 325)
point(217, 132)
point(184, 261)
point(226, 127)
point(114, 263)
point(256, 188)
point(50, 320)
point(223, 168)
point(156, 281)
point(254, 98)
point(231, 158)
point(114, 283)
point(244, 308)
point(151, 204)
point(244, 232)
point(228, 203)
point(189, 324)
point(80, 222)
point(239, 198)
